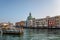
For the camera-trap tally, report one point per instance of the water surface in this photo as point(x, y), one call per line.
point(34, 34)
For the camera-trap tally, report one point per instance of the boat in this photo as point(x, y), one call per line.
point(12, 30)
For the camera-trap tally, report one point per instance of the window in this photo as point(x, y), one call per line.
point(57, 20)
point(56, 17)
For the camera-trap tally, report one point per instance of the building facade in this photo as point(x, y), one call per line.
point(29, 20)
point(50, 22)
point(41, 22)
point(6, 25)
point(21, 23)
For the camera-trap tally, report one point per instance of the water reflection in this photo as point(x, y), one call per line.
point(53, 34)
point(35, 34)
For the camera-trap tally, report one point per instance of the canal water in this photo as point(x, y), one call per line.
point(34, 34)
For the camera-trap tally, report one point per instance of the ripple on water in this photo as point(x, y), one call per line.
point(45, 37)
point(39, 37)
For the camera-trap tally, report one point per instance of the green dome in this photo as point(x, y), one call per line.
point(29, 17)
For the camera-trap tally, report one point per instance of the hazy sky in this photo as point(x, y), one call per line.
point(17, 10)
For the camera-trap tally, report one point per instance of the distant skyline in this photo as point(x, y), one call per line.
point(17, 10)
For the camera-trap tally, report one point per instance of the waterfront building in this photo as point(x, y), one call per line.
point(50, 22)
point(57, 21)
point(54, 21)
point(30, 22)
point(21, 23)
point(6, 25)
point(41, 22)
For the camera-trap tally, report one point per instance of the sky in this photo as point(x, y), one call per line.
point(18, 10)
